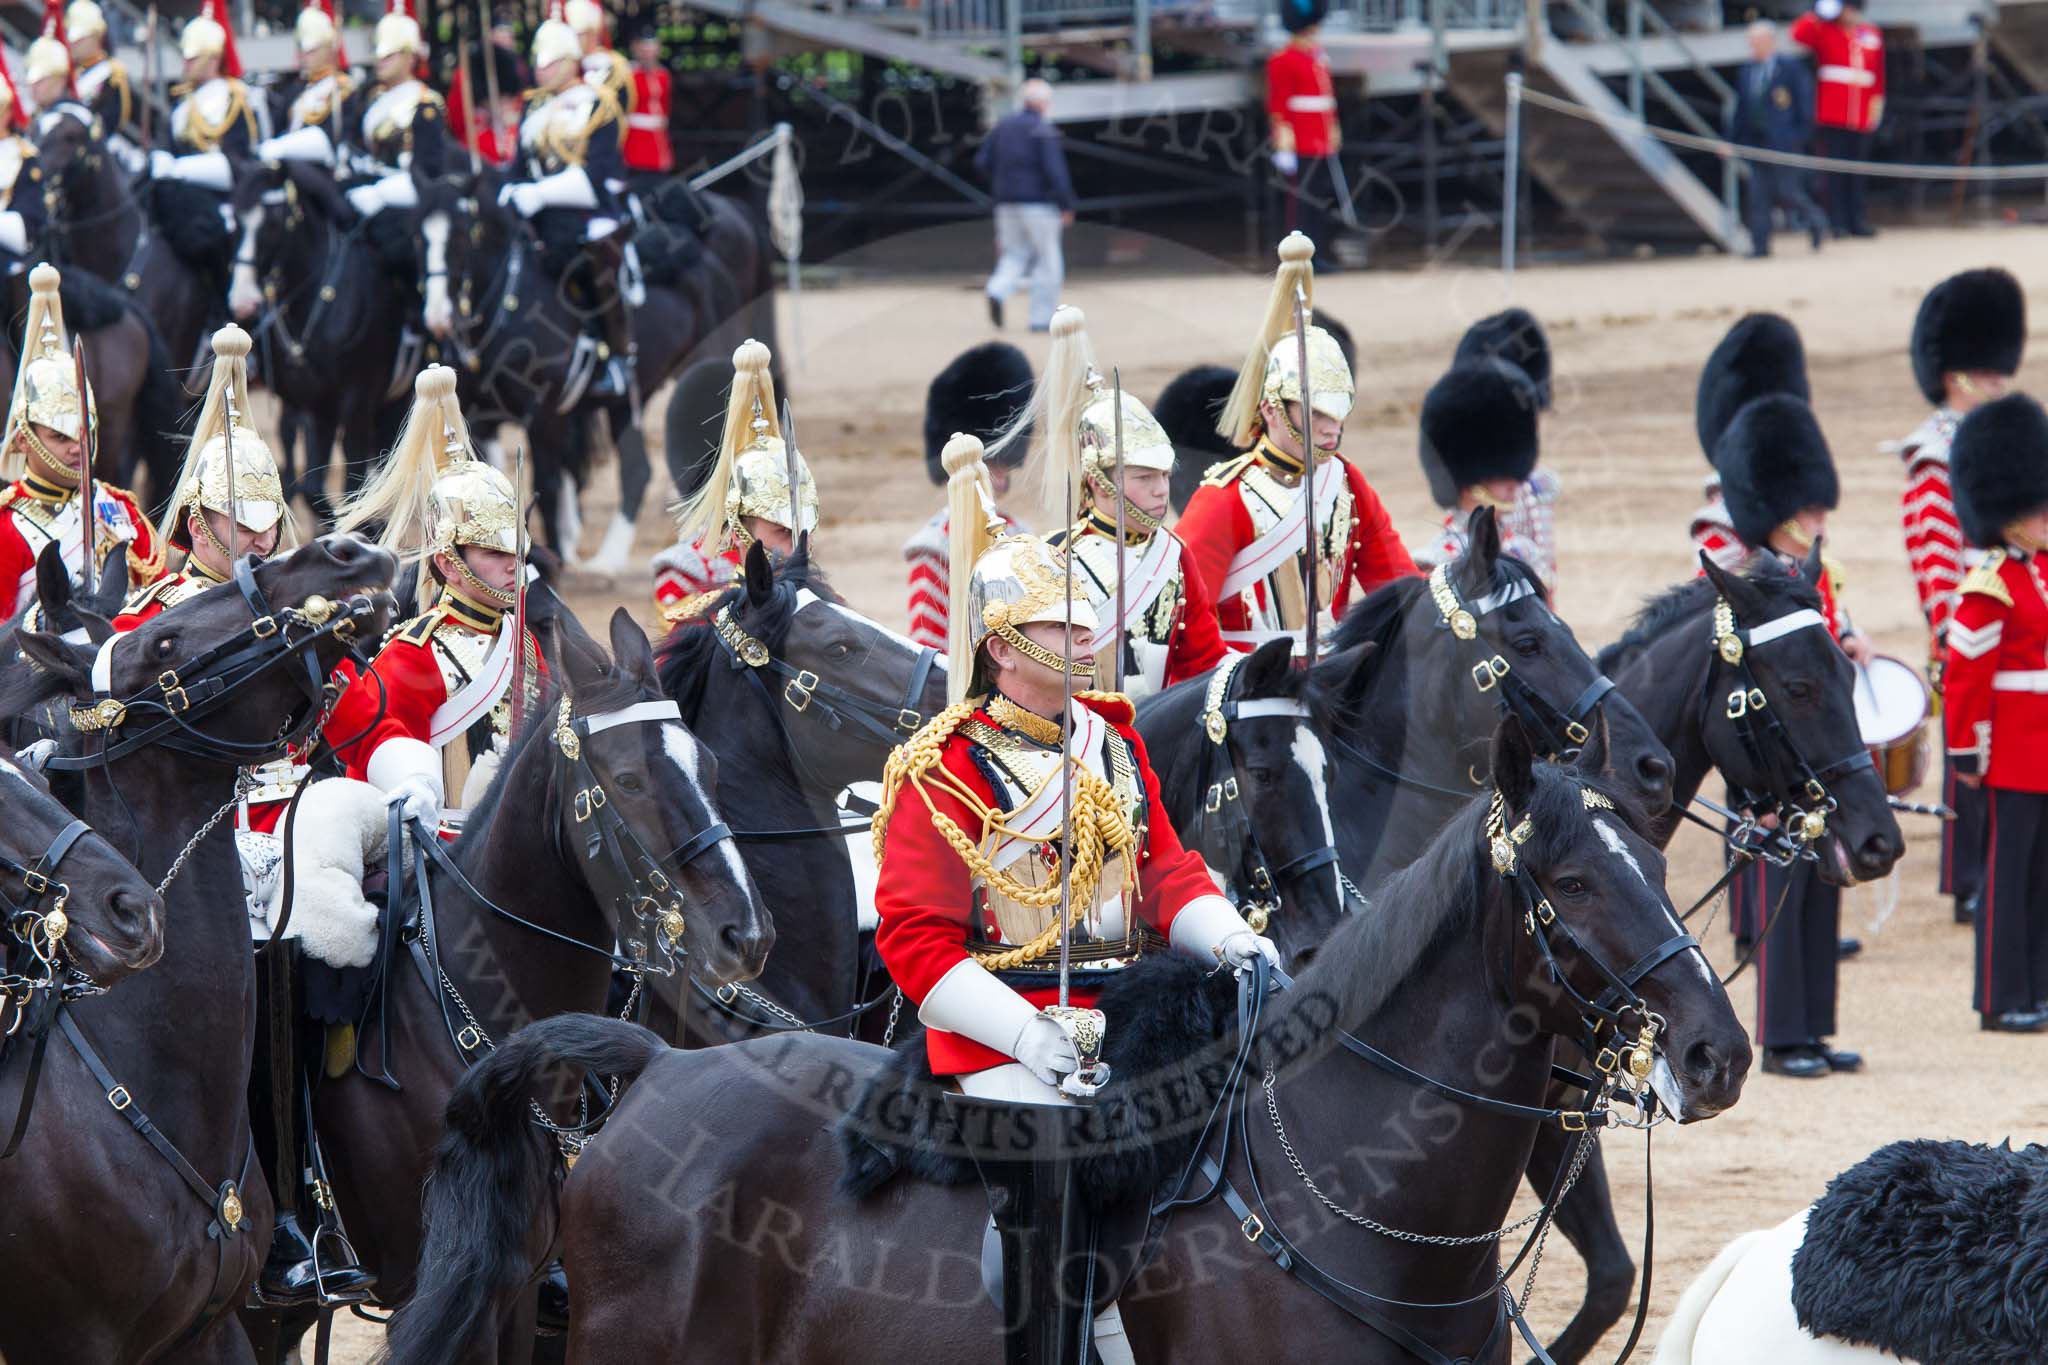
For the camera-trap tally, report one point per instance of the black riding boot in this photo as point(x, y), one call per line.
point(615, 376)
point(297, 1271)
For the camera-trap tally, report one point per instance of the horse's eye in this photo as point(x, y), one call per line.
point(1265, 777)
point(1528, 646)
point(166, 646)
point(840, 649)
point(629, 782)
point(1569, 886)
point(1801, 691)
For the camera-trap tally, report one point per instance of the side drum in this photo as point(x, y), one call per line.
point(1892, 711)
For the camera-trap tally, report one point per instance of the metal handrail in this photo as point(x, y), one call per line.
point(1678, 104)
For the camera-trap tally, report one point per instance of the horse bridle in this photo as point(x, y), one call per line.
point(1804, 800)
point(31, 958)
point(328, 285)
point(804, 691)
point(1222, 830)
point(1622, 1070)
point(163, 712)
point(1558, 732)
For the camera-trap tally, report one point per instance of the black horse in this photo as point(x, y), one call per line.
point(1669, 663)
point(331, 319)
point(696, 1218)
point(799, 696)
point(172, 710)
point(521, 923)
point(513, 333)
point(98, 223)
point(60, 610)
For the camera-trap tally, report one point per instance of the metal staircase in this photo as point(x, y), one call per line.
point(1646, 196)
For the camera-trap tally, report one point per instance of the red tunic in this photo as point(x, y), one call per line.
point(646, 147)
point(23, 519)
point(413, 687)
point(1300, 101)
point(925, 895)
point(1934, 537)
point(1850, 71)
point(682, 572)
point(1197, 643)
point(926, 557)
point(1217, 524)
point(1995, 690)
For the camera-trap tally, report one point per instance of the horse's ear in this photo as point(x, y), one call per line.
point(1514, 764)
point(1266, 672)
point(1482, 549)
point(1743, 597)
point(53, 582)
point(1593, 753)
point(70, 664)
point(760, 575)
point(1813, 566)
point(631, 653)
point(583, 663)
point(112, 588)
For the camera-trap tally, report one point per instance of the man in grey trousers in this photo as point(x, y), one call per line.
point(1034, 202)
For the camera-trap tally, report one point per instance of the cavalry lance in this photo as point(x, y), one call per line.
point(1308, 475)
point(1116, 389)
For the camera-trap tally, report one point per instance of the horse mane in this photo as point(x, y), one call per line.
point(1674, 606)
point(683, 661)
point(1371, 956)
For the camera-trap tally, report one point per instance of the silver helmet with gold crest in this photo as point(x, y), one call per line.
point(434, 493)
point(752, 475)
point(46, 384)
point(1272, 368)
point(229, 468)
point(999, 582)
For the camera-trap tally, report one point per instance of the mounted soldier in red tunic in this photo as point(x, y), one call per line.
point(49, 446)
point(1025, 856)
point(1244, 526)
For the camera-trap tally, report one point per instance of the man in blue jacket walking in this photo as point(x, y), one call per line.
point(1774, 111)
point(1034, 201)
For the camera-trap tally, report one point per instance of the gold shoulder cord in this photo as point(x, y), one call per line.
point(1985, 580)
point(1100, 831)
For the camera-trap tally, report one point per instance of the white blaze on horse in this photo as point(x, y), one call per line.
point(1923, 1251)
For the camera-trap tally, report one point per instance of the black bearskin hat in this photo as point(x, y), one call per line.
point(1774, 465)
point(1516, 337)
point(1973, 321)
point(1189, 408)
point(980, 393)
point(1478, 423)
point(1998, 466)
point(1761, 354)
point(1296, 15)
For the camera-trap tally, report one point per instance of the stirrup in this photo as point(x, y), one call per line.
point(334, 1298)
point(582, 368)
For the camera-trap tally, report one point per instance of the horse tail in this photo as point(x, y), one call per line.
point(493, 1169)
point(159, 413)
point(1676, 1345)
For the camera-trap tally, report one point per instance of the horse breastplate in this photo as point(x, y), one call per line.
point(1149, 637)
point(1267, 500)
point(1107, 935)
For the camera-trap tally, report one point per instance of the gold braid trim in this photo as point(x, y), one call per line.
point(1100, 829)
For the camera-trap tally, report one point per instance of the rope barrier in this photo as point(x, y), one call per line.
point(1797, 160)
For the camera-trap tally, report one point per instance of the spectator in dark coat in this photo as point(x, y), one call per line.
point(1034, 203)
point(1774, 111)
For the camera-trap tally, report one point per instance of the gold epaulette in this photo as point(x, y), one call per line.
point(1122, 710)
point(9, 496)
point(1225, 472)
point(143, 596)
point(1986, 580)
point(419, 630)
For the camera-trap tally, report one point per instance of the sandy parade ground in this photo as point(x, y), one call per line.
point(1628, 338)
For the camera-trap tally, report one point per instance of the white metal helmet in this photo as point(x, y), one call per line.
point(84, 20)
point(396, 33)
point(554, 41)
point(202, 38)
point(313, 29)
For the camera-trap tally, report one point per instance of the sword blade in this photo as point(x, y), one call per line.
point(1308, 476)
point(1067, 766)
point(1116, 388)
point(792, 468)
point(88, 513)
point(519, 590)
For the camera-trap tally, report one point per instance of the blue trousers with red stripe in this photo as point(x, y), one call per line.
point(2012, 926)
point(1796, 962)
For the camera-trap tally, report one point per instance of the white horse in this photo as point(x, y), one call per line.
point(1739, 1310)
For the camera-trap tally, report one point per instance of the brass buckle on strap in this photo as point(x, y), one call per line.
point(1487, 673)
point(119, 1097)
point(1252, 1228)
point(1572, 1120)
point(470, 1038)
point(797, 691)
